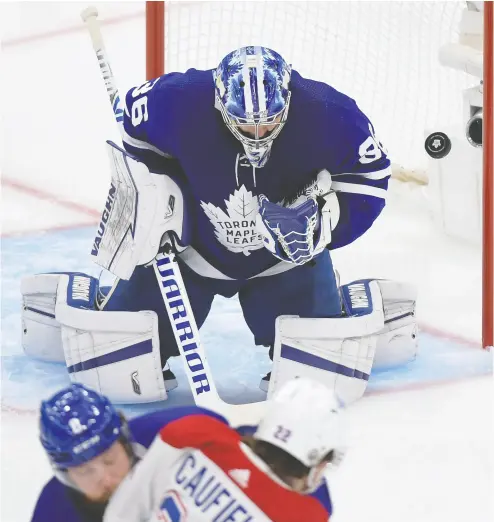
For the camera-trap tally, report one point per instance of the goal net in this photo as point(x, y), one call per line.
point(385, 55)
point(382, 54)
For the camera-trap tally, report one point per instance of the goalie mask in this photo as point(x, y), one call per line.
point(252, 94)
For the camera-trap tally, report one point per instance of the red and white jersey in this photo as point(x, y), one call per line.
point(198, 470)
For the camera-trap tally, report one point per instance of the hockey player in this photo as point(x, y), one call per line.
point(255, 173)
point(278, 168)
point(92, 448)
point(199, 469)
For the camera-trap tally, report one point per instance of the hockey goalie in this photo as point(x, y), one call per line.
point(247, 177)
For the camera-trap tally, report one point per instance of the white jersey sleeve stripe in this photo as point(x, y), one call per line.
point(356, 188)
point(378, 174)
point(138, 144)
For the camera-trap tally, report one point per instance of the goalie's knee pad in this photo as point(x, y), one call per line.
point(378, 326)
point(116, 353)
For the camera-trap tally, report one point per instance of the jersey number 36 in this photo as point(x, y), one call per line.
point(139, 111)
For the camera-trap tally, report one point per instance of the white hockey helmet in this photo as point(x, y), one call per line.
point(303, 419)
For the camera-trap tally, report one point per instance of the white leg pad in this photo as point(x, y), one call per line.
point(397, 343)
point(340, 352)
point(41, 337)
point(115, 353)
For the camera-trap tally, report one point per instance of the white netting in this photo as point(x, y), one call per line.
point(382, 54)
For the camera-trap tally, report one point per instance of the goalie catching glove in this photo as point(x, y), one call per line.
point(299, 232)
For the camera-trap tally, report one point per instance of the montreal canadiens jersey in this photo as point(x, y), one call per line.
point(174, 117)
point(199, 470)
point(59, 503)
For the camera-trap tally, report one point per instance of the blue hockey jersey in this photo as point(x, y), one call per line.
point(174, 116)
point(59, 503)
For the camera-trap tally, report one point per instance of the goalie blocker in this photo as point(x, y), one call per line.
point(118, 353)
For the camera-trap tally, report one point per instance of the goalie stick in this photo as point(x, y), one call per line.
point(169, 279)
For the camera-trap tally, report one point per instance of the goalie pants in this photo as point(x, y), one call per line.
point(309, 290)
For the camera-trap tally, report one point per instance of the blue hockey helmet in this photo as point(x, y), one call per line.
point(253, 96)
point(76, 425)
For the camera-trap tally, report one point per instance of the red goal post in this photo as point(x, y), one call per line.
point(164, 49)
point(155, 39)
point(488, 184)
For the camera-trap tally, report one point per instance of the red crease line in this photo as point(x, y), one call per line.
point(436, 332)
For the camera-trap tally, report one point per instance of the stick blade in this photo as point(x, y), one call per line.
point(243, 414)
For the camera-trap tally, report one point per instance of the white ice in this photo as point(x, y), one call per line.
point(421, 454)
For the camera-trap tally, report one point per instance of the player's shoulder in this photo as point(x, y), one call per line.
point(174, 91)
point(145, 427)
point(53, 504)
point(50, 490)
point(277, 500)
point(222, 445)
point(319, 93)
point(188, 84)
point(325, 107)
point(291, 505)
point(197, 430)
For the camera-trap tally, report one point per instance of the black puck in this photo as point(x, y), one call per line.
point(437, 145)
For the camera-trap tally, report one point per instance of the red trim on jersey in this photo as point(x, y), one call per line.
point(221, 444)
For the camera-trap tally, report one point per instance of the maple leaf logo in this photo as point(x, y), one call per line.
point(236, 229)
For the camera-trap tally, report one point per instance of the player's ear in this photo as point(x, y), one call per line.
point(125, 426)
point(126, 438)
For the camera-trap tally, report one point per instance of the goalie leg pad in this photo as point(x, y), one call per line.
point(340, 352)
point(115, 353)
point(397, 343)
point(41, 336)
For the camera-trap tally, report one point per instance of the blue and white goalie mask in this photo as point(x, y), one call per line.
point(252, 94)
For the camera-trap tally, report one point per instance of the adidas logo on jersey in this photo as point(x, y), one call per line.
point(240, 476)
